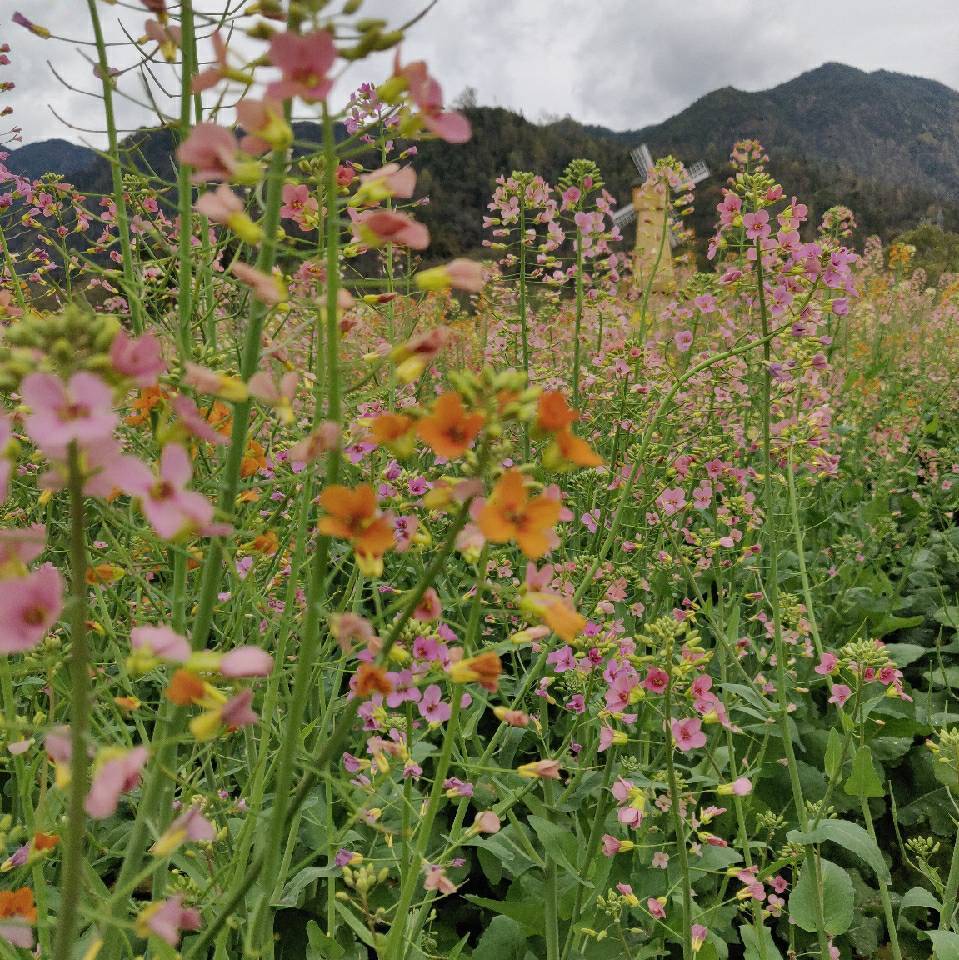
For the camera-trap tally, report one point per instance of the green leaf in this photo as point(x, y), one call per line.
point(948, 616)
point(529, 914)
point(292, 891)
point(503, 939)
point(355, 924)
point(945, 944)
point(321, 947)
point(756, 949)
point(833, 753)
point(917, 897)
point(864, 781)
point(560, 844)
point(905, 653)
point(848, 835)
point(838, 900)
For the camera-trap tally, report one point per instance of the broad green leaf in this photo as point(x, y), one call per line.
point(292, 891)
point(756, 950)
point(560, 844)
point(321, 947)
point(945, 944)
point(529, 914)
point(917, 897)
point(948, 616)
point(833, 753)
point(849, 835)
point(905, 653)
point(503, 939)
point(864, 781)
point(838, 900)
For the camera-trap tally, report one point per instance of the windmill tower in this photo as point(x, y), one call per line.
point(651, 254)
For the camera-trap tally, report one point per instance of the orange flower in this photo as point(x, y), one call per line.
point(353, 515)
point(266, 543)
point(553, 413)
point(449, 429)
point(254, 458)
point(185, 688)
point(18, 904)
point(567, 451)
point(484, 669)
point(509, 514)
point(127, 704)
point(149, 398)
point(395, 432)
point(45, 841)
point(371, 679)
point(103, 573)
point(558, 614)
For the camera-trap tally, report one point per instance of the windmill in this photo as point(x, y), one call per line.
point(648, 206)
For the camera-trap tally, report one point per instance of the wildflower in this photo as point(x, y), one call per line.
point(460, 274)
point(246, 661)
point(567, 451)
point(613, 845)
point(395, 431)
point(265, 125)
point(376, 227)
point(840, 694)
point(79, 411)
point(486, 822)
point(190, 826)
point(432, 707)
point(687, 734)
point(268, 288)
point(427, 94)
point(657, 680)
point(437, 880)
point(29, 606)
point(154, 644)
point(349, 629)
point(541, 769)
point(20, 546)
point(262, 386)
point(449, 429)
point(137, 358)
point(683, 340)
point(514, 718)
point(210, 77)
point(216, 384)
point(166, 919)
point(224, 206)
point(166, 36)
point(371, 679)
point(354, 516)
point(509, 514)
point(214, 154)
point(412, 357)
point(698, 936)
point(608, 737)
point(484, 669)
point(429, 608)
point(21, 21)
point(17, 915)
point(553, 413)
point(560, 616)
point(740, 787)
point(322, 440)
point(827, 665)
point(304, 61)
point(389, 181)
point(231, 714)
point(117, 772)
point(656, 907)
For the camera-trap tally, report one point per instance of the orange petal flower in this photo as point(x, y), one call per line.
point(553, 413)
point(449, 429)
point(45, 841)
point(395, 432)
point(509, 514)
point(185, 688)
point(568, 451)
point(18, 904)
point(484, 669)
point(558, 614)
point(353, 515)
point(371, 679)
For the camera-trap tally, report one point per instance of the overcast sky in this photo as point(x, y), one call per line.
point(622, 63)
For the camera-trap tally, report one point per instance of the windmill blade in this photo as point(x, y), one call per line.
point(624, 215)
point(698, 171)
point(642, 159)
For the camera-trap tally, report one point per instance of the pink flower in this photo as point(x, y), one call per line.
point(117, 775)
point(827, 664)
point(610, 845)
point(460, 274)
point(161, 642)
point(108, 470)
point(266, 287)
point(167, 504)
point(698, 936)
point(138, 358)
point(29, 606)
point(757, 225)
point(840, 694)
point(246, 662)
point(297, 203)
point(429, 608)
point(190, 826)
point(212, 75)
point(437, 880)
point(655, 908)
point(211, 150)
point(427, 94)
point(193, 421)
point(432, 707)
point(320, 441)
point(657, 680)
point(265, 125)
point(660, 860)
point(376, 227)
point(166, 919)
point(683, 340)
point(80, 411)
point(688, 734)
point(237, 712)
point(304, 62)
point(21, 545)
point(486, 822)
point(389, 181)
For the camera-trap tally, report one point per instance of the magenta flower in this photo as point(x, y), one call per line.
point(376, 227)
point(304, 62)
point(80, 411)
point(161, 642)
point(29, 606)
point(688, 734)
point(212, 152)
point(431, 706)
point(138, 358)
point(118, 774)
point(246, 662)
point(840, 694)
point(166, 919)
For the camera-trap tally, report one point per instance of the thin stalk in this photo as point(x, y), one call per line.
point(184, 187)
point(81, 697)
point(11, 269)
point(952, 887)
point(130, 286)
point(883, 888)
point(579, 315)
point(523, 307)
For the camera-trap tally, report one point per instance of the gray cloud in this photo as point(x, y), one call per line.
point(622, 63)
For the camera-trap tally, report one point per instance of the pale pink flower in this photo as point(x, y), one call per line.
point(190, 826)
point(212, 75)
point(429, 608)
point(432, 707)
point(265, 125)
point(698, 935)
point(688, 734)
point(486, 822)
point(376, 227)
point(29, 607)
point(840, 694)
point(237, 713)
point(167, 504)
point(109, 470)
point(683, 340)
point(437, 880)
point(21, 545)
point(79, 411)
point(325, 438)
point(211, 150)
point(427, 94)
point(114, 777)
point(219, 205)
point(246, 662)
point(297, 202)
point(827, 664)
point(466, 275)
point(304, 61)
point(161, 642)
point(655, 908)
point(138, 358)
point(193, 421)
point(541, 769)
point(266, 287)
point(167, 918)
point(391, 180)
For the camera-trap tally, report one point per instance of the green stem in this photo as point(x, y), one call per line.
point(883, 888)
point(12, 270)
point(81, 696)
point(952, 887)
point(184, 188)
point(579, 315)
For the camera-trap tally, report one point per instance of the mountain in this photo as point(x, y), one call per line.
point(884, 144)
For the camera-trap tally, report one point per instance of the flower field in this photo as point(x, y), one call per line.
point(545, 603)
